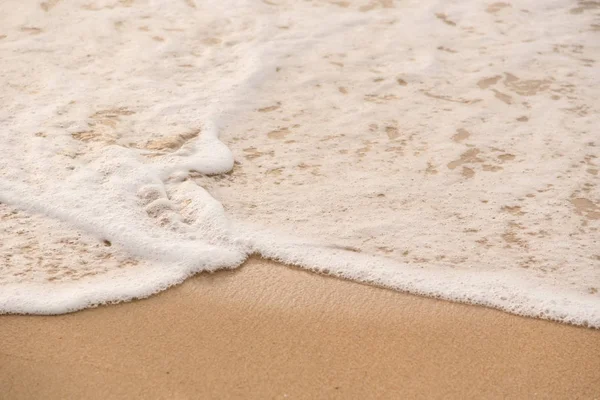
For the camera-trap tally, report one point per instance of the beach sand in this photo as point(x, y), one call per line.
point(270, 331)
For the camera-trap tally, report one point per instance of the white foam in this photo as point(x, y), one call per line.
point(121, 105)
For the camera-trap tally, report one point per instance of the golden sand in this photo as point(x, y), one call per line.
point(267, 331)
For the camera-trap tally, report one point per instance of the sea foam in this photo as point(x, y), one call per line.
point(386, 146)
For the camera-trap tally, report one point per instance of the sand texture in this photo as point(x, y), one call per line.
point(448, 149)
point(267, 331)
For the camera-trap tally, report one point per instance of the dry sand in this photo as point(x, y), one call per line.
point(269, 331)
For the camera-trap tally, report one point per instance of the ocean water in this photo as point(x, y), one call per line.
point(448, 149)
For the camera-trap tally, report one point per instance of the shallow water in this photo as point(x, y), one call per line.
point(443, 149)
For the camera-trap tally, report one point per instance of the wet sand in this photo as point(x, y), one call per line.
point(270, 331)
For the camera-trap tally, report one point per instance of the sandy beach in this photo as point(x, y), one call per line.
point(156, 154)
point(270, 331)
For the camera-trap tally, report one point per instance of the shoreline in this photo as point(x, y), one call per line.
point(68, 295)
point(267, 330)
